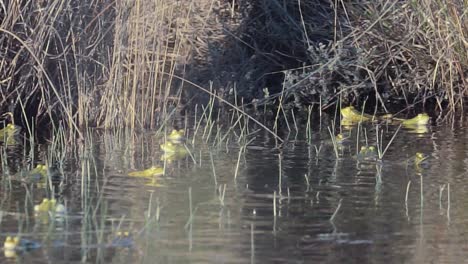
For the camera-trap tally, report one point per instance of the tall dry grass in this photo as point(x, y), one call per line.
point(389, 53)
point(148, 48)
point(101, 63)
point(417, 48)
point(125, 63)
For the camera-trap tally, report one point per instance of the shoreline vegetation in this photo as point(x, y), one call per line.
point(79, 78)
point(135, 64)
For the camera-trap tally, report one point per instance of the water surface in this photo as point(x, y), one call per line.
point(270, 204)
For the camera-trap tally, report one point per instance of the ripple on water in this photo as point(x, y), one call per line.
point(197, 213)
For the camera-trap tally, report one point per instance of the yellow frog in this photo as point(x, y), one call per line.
point(173, 156)
point(170, 147)
point(350, 114)
point(367, 154)
point(40, 172)
point(45, 206)
point(341, 139)
point(419, 120)
point(153, 171)
point(8, 133)
point(419, 158)
point(176, 136)
point(11, 243)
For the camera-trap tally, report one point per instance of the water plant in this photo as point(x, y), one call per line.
point(336, 141)
point(332, 218)
point(379, 136)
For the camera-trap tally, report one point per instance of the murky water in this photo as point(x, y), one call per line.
point(294, 204)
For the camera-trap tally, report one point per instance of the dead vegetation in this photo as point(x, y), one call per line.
point(128, 63)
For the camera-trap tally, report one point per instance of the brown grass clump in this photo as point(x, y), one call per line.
point(387, 52)
point(127, 63)
point(45, 52)
point(102, 63)
point(417, 49)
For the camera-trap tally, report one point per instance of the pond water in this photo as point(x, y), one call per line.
point(230, 202)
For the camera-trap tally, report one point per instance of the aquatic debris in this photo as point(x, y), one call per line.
point(342, 238)
point(351, 115)
point(177, 136)
point(152, 171)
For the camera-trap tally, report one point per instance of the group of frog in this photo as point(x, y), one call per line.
point(14, 245)
point(351, 116)
point(42, 211)
point(51, 208)
point(48, 208)
point(173, 148)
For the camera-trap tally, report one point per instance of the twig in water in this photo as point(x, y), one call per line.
point(336, 211)
point(213, 167)
point(379, 143)
point(274, 204)
point(335, 146)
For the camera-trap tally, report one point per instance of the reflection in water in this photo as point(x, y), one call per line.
point(256, 204)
